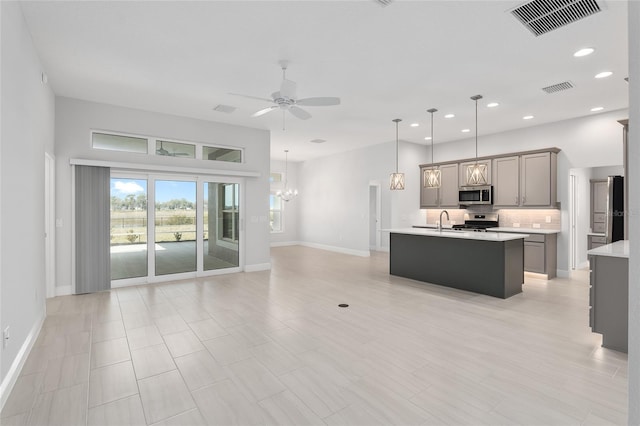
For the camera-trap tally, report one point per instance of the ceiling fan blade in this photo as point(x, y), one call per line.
point(324, 101)
point(251, 97)
point(288, 89)
point(299, 112)
point(264, 111)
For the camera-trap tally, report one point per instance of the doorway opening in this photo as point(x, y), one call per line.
point(374, 216)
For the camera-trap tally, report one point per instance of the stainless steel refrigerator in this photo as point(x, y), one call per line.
point(615, 209)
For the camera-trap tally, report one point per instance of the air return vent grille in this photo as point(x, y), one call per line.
point(542, 16)
point(384, 3)
point(554, 88)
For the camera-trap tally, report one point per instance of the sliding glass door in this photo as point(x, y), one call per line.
point(175, 227)
point(221, 236)
point(164, 228)
point(128, 228)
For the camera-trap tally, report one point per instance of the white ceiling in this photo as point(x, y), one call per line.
point(395, 62)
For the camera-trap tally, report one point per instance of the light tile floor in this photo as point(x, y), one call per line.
point(273, 347)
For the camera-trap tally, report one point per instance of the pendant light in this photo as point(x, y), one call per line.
point(396, 179)
point(477, 175)
point(431, 177)
point(286, 194)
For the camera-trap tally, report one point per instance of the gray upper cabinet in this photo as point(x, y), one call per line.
point(535, 183)
point(599, 195)
point(447, 195)
point(449, 185)
point(506, 181)
point(428, 196)
point(464, 167)
point(521, 179)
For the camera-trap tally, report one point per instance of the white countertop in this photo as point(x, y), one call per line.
point(617, 249)
point(432, 226)
point(485, 236)
point(597, 234)
point(526, 230)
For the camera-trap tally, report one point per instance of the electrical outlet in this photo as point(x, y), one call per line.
point(516, 225)
point(536, 225)
point(547, 219)
point(5, 337)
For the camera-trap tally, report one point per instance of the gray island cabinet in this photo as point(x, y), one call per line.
point(609, 295)
point(482, 262)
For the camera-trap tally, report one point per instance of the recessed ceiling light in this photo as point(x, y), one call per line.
point(584, 52)
point(596, 109)
point(527, 117)
point(318, 140)
point(466, 130)
point(449, 116)
point(492, 104)
point(428, 138)
point(415, 124)
point(604, 74)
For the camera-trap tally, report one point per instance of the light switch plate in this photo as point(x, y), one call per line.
point(547, 219)
point(536, 225)
point(516, 225)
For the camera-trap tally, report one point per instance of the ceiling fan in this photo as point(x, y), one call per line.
point(162, 151)
point(286, 99)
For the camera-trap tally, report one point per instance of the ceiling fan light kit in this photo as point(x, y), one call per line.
point(396, 180)
point(431, 177)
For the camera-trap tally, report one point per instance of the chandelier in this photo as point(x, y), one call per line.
point(286, 194)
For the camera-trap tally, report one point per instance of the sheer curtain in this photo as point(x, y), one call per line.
point(93, 260)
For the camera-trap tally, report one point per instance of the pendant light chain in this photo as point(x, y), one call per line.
point(397, 121)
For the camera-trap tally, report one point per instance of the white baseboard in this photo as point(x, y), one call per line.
point(63, 290)
point(14, 371)
point(257, 267)
point(336, 249)
point(285, 243)
point(583, 265)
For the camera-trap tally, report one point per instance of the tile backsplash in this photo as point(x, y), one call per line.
point(546, 218)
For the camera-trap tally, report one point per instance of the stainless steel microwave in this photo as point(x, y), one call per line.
point(473, 195)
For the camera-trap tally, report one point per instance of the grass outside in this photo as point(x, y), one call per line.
point(130, 227)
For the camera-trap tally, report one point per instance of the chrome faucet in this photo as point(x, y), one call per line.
point(440, 222)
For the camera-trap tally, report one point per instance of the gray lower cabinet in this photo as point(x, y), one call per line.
point(594, 241)
point(609, 300)
point(540, 254)
point(534, 258)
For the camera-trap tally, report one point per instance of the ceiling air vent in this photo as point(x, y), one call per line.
point(228, 109)
point(542, 16)
point(554, 88)
point(384, 3)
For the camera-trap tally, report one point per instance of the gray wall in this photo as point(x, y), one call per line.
point(334, 208)
point(75, 119)
point(27, 133)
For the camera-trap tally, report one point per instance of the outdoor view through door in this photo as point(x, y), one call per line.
point(161, 227)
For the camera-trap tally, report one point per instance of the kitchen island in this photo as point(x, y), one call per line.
point(489, 263)
point(609, 294)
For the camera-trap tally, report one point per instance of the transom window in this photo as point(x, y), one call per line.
point(164, 147)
